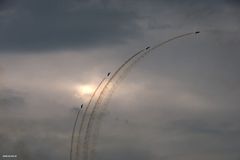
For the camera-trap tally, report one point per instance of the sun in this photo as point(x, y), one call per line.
point(84, 91)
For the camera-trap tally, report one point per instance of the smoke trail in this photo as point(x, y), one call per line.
point(84, 117)
point(91, 116)
point(73, 133)
point(110, 85)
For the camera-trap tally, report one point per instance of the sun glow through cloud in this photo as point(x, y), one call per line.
point(84, 91)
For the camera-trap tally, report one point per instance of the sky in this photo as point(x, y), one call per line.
point(181, 102)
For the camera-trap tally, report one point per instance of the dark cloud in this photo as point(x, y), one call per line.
point(5, 4)
point(6, 9)
point(233, 2)
point(42, 25)
point(59, 24)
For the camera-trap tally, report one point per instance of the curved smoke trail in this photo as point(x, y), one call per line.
point(108, 86)
point(91, 116)
point(84, 117)
point(73, 133)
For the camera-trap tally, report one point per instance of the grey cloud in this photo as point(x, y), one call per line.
point(233, 2)
point(10, 99)
point(181, 102)
point(198, 127)
point(43, 25)
point(63, 24)
point(36, 138)
point(4, 4)
point(124, 153)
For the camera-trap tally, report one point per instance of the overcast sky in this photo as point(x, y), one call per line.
point(179, 103)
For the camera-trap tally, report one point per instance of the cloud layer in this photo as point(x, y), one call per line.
point(181, 102)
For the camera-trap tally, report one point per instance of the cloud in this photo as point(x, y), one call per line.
point(41, 25)
point(10, 99)
point(181, 102)
point(233, 2)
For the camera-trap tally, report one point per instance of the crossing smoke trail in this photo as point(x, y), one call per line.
point(111, 85)
point(73, 133)
point(84, 117)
